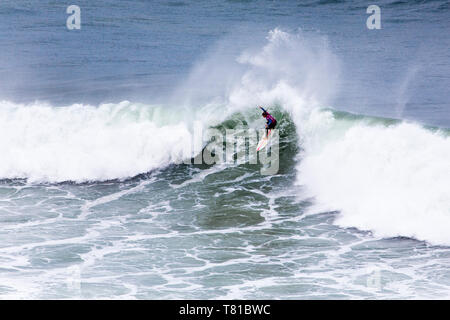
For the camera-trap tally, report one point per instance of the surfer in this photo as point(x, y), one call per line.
point(271, 121)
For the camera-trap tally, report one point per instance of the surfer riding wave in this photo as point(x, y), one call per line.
point(271, 121)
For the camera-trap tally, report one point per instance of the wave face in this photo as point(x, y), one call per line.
point(388, 177)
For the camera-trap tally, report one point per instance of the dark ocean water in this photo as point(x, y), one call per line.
point(95, 124)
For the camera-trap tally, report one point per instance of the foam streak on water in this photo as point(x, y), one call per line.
point(154, 248)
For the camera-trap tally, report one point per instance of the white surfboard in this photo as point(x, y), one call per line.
point(263, 142)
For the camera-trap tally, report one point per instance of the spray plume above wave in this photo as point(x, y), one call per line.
point(116, 141)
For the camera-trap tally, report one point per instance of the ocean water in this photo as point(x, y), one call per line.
point(100, 195)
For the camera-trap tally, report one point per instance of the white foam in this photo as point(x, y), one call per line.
point(391, 180)
point(80, 142)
